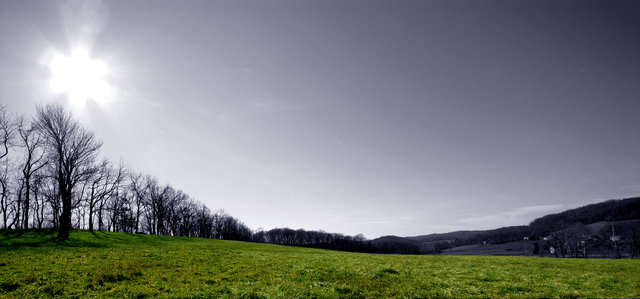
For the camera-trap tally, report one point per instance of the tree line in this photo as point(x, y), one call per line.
point(51, 176)
point(610, 240)
point(315, 239)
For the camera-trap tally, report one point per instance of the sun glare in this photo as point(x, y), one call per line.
point(79, 77)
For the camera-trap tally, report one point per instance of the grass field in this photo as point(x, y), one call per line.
point(517, 248)
point(124, 265)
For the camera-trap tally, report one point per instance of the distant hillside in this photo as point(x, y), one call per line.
point(610, 210)
point(596, 216)
point(597, 237)
point(395, 244)
point(494, 236)
point(435, 243)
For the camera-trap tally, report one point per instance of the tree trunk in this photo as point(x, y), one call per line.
point(91, 217)
point(65, 224)
point(100, 228)
point(65, 217)
point(16, 219)
point(138, 219)
point(26, 204)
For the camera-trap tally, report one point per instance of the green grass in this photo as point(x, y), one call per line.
point(125, 265)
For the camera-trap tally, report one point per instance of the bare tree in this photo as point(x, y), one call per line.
point(139, 187)
point(577, 237)
point(634, 237)
point(39, 201)
point(72, 149)
point(7, 132)
point(5, 193)
point(34, 160)
point(16, 203)
point(47, 190)
point(615, 239)
point(157, 206)
point(103, 184)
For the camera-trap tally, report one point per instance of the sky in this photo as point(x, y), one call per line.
point(375, 117)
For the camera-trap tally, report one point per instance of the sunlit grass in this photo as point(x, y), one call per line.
point(125, 265)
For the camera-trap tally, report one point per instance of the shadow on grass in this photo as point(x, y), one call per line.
point(17, 239)
point(93, 232)
point(17, 233)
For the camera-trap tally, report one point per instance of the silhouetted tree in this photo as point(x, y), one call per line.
point(39, 201)
point(34, 159)
point(536, 248)
point(5, 193)
point(7, 134)
point(72, 149)
point(633, 235)
point(615, 239)
point(103, 183)
point(577, 238)
point(139, 188)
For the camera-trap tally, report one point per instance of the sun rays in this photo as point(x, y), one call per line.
point(80, 77)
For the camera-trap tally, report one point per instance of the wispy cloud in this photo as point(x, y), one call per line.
point(248, 106)
point(264, 105)
point(247, 70)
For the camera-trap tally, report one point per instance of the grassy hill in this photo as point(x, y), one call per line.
point(125, 265)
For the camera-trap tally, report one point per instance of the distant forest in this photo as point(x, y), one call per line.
point(52, 177)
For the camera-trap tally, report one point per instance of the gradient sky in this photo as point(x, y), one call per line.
point(373, 117)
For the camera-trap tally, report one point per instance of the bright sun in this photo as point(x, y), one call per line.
point(79, 77)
